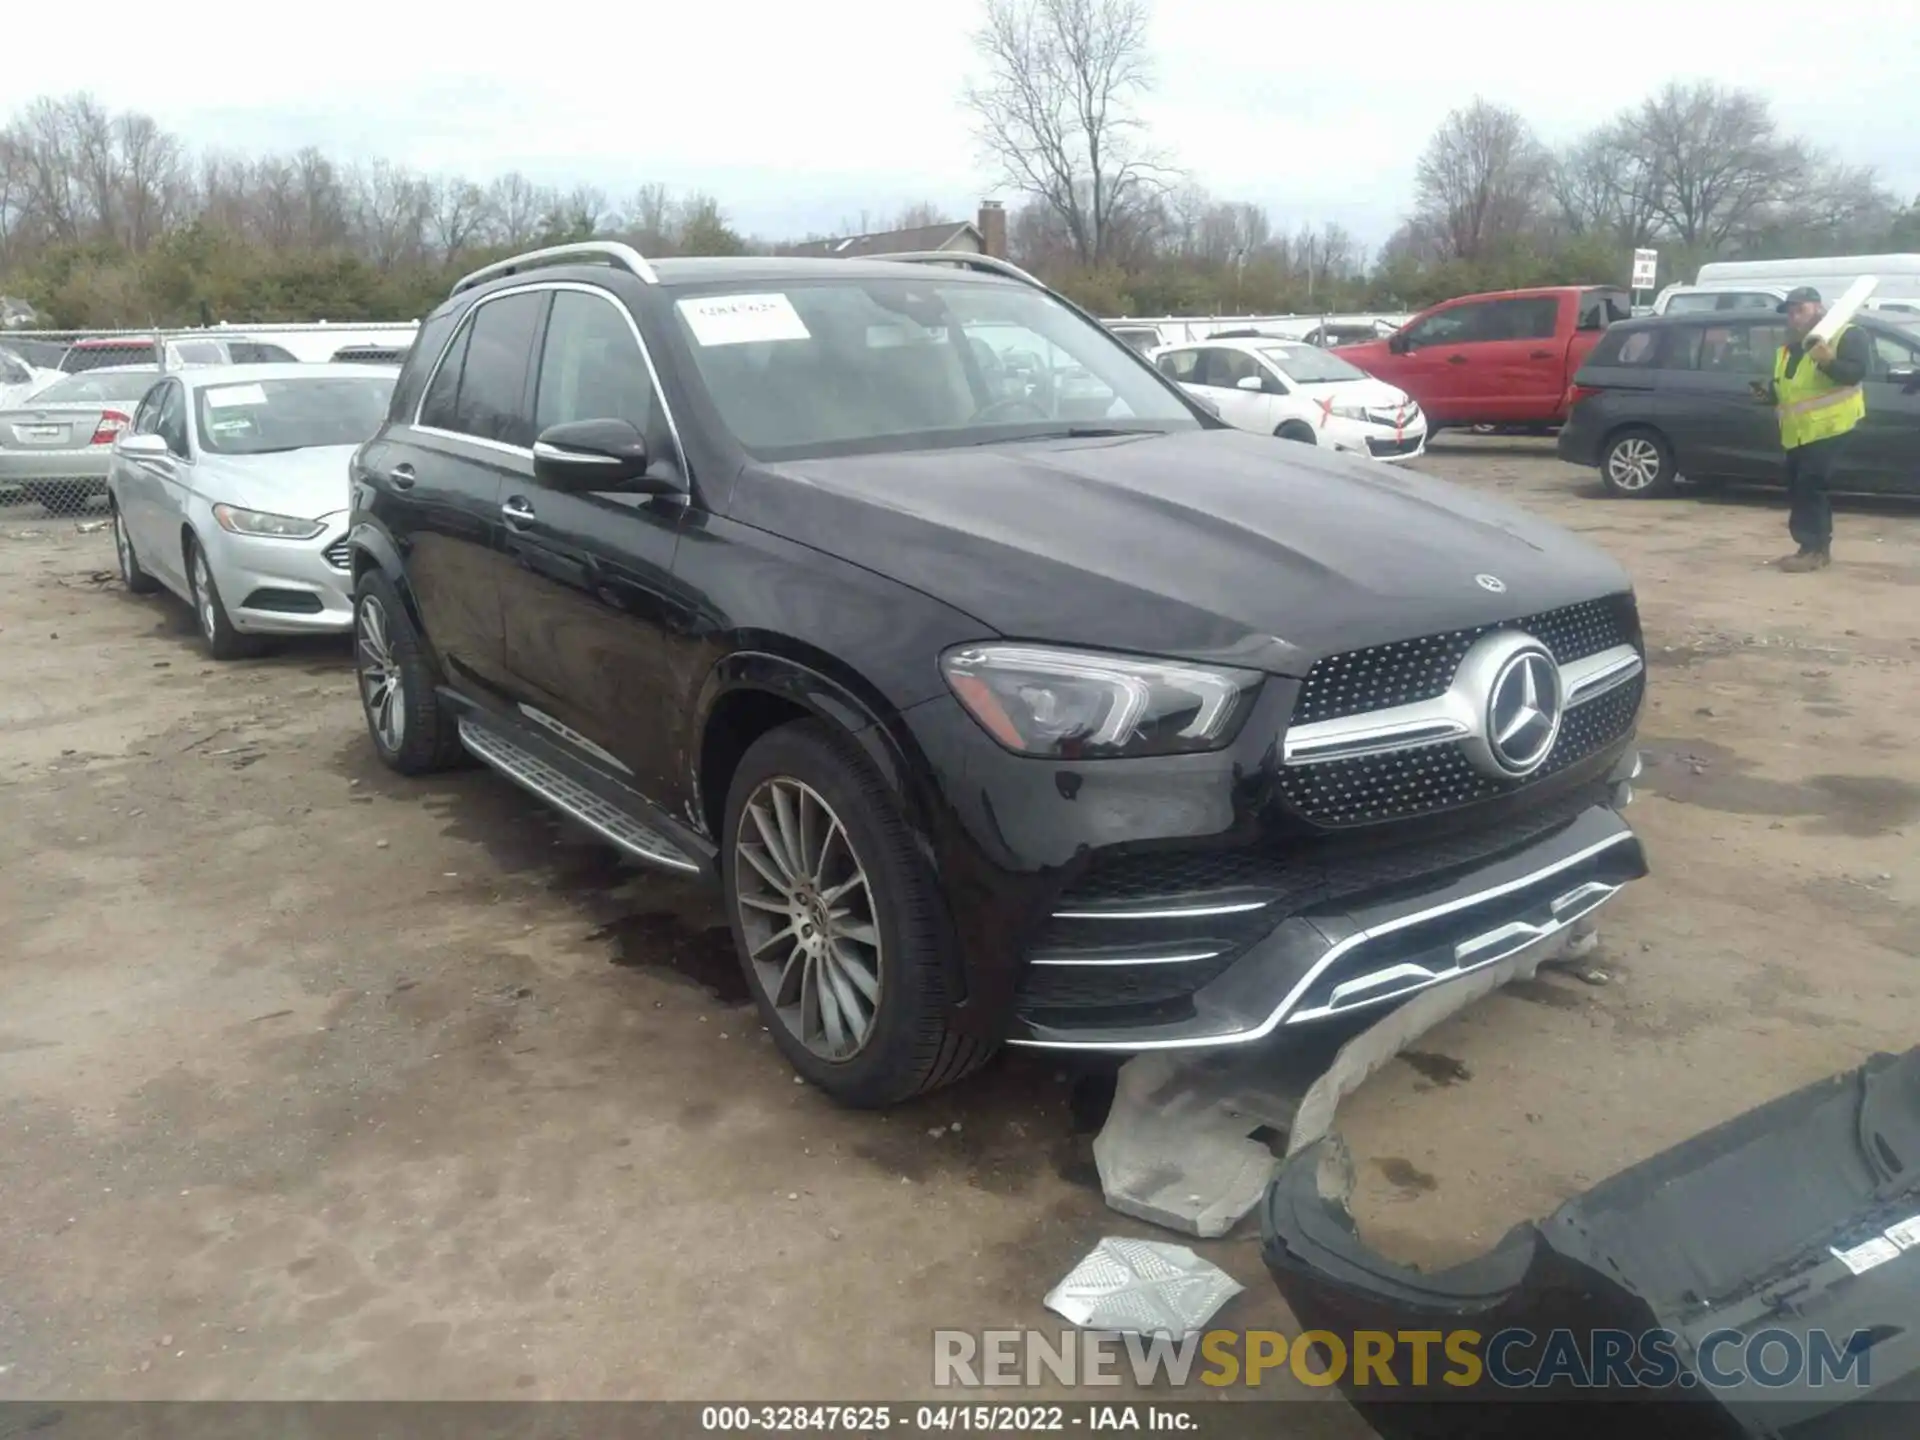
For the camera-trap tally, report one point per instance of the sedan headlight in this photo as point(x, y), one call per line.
point(1075, 705)
point(259, 522)
point(1349, 412)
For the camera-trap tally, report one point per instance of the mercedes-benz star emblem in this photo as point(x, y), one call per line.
point(1511, 704)
point(1523, 712)
point(1491, 582)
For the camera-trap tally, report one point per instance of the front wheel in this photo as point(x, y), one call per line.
point(222, 640)
point(1637, 465)
point(838, 921)
point(135, 578)
point(413, 732)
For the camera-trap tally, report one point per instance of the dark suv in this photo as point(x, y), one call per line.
point(1007, 695)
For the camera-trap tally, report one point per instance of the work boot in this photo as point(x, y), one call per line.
point(1805, 561)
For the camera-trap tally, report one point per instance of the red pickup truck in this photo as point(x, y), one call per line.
point(1501, 359)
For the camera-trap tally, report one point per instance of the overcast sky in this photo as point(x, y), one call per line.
point(800, 115)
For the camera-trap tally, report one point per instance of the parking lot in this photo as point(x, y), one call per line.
point(315, 1081)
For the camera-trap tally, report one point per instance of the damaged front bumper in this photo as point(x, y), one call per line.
point(1759, 1279)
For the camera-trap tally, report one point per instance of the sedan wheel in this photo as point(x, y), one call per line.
point(806, 910)
point(137, 581)
point(1638, 464)
point(381, 690)
point(204, 604)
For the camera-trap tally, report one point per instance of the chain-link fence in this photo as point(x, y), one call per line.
point(66, 395)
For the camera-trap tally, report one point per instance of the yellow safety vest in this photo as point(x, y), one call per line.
point(1812, 405)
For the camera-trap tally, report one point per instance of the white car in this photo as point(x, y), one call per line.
point(1297, 391)
point(230, 489)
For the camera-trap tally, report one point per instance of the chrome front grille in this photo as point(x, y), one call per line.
point(1406, 671)
point(1421, 781)
point(339, 554)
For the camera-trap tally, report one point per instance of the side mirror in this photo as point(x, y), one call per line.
point(1398, 343)
point(1250, 382)
point(588, 455)
point(141, 446)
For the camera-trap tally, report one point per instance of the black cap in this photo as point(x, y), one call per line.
point(1800, 294)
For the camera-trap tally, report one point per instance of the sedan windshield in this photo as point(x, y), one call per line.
point(1310, 365)
point(98, 385)
point(841, 367)
point(260, 417)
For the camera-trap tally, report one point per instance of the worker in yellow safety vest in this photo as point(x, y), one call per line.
point(1816, 391)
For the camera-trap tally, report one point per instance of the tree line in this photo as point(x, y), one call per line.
point(106, 219)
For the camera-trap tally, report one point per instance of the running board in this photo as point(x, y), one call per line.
point(568, 795)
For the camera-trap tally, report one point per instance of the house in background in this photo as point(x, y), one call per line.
point(986, 235)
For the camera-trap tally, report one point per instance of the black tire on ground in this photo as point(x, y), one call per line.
point(385, 644)
point(1637, 464)
point(137, 580)
point(909, 1049)
point(223, 642)
point(1297, 430)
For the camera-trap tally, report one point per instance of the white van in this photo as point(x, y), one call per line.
point(1763, 284)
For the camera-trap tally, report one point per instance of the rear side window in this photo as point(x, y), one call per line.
point(427, 344)
point(1601, 308)
point(1181, 365)
point(1628, 349)
point(1746, 350)
point(1535, 318)
point(492, 403)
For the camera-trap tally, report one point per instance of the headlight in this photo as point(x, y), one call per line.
point(259, 522)
point(1349, 412)
point(1080, 705)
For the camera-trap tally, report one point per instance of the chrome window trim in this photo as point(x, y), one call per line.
point(537, 287)
point(1452, 716)
point(1280, 1012)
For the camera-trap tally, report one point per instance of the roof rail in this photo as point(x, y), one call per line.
point(586, 252)
point(991, 264)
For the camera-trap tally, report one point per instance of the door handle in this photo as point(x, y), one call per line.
point(1456, 359)
point(1540, 355)
point(402, 476)
point(517, 511)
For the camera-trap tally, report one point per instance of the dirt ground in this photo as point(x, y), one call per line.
point(316, 1082)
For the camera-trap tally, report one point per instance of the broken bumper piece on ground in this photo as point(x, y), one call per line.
point(1759, 1279)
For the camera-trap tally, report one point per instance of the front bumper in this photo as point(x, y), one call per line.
point(283, 587)
point(1376, 947)
point(1394, 444)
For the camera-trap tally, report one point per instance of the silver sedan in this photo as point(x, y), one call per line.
point(230, 490)
point(56, 445)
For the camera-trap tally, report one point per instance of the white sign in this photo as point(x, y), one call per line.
point(225, 397)
point(1646, 264)
point(743, 319)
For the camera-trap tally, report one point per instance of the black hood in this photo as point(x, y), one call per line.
point(1212, 544)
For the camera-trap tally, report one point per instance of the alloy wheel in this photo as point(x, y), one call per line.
point(1633, 464)
point(807, 912)
point(380, 689)
point(203, 602)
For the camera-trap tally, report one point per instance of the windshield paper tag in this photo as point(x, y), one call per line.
point(1864, 1257)
point(225, 397)
point(743, 319)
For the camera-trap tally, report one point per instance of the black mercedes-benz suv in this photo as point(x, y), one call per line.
point(1007, 694)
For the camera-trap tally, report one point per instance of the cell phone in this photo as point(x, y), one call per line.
point(1758, 387)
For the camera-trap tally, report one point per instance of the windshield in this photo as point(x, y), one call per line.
point(1310, 365)
point(261, 417)
point(840, 367)
point(121, 385)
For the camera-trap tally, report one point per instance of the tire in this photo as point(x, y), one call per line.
point(1637, 464)
point(223, 642)
point(1297, 430)
point(413, 731)
point(896, 981)
point(137, 580)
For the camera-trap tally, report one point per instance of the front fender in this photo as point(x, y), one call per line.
point(373, 547)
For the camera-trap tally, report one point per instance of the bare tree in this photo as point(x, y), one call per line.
point(1604, 185)
point(1479, 180)
point(516, 205)
point(647, 219)
point(1716, 157)
point(393, 207)
point(918, 217)
point(456, 216)
point(1055, 111)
